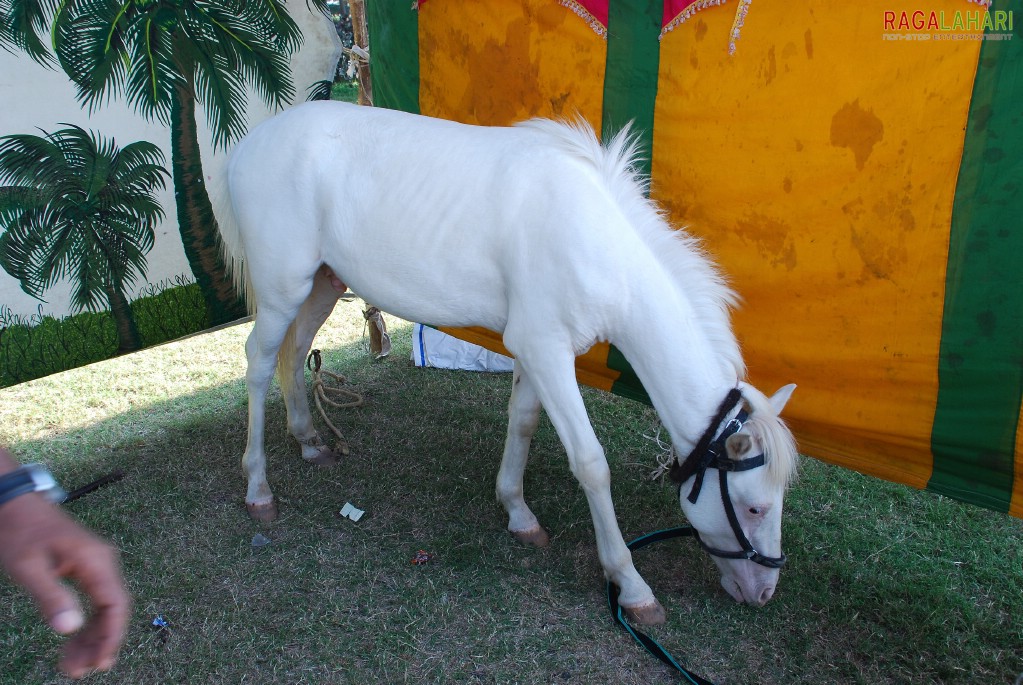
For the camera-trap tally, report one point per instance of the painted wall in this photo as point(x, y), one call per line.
point(33, 97)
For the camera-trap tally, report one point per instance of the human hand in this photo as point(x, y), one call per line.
point(40, 546)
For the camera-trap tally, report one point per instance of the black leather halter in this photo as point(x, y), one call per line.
point(710, 453)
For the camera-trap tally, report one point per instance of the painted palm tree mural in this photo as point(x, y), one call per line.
point(77, 207)
point(165, 57)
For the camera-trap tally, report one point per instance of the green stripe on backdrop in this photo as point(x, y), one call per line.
point(981, 364)
point(630, 93)
point(394, 53)
point(630, 78)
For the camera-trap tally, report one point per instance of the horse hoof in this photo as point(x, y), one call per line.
point(264, 513)
point(647, 615)
point(323, 457)
point(535, 537)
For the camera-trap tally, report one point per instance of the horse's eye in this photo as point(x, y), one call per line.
point(756, 511)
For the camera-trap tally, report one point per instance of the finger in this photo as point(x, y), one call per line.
point(55, 601)
point(84, 653)
point(95, 647)
point(67, 621)
point(96, 644)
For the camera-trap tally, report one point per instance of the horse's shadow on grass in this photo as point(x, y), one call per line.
point(855, 603)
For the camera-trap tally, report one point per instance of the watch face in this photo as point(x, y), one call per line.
point(42, 478)
point(44, 483)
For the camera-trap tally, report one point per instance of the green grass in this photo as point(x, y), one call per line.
point(885, 584)
point(346, 91)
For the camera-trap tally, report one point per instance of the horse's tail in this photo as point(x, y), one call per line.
point(232, 248)
point(286, 359)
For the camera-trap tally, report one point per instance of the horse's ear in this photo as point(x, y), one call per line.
point(780, 398)
point(738, 445)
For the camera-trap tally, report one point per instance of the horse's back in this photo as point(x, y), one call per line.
point(426, 218)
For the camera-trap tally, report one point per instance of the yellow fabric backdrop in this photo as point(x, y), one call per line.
point(820, 164)
point(826, 193)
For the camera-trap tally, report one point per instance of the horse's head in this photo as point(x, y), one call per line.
point(732, 487)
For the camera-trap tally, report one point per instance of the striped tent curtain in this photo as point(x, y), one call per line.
point(854, 167)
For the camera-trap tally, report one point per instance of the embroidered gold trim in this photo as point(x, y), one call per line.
point(586, 16)
point(687, 13)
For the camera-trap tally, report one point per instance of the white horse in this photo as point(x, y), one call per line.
point(536, 231)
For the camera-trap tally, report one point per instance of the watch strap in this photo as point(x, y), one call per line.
point(26, 479)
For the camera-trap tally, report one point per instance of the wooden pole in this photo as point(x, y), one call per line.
point(360, 34)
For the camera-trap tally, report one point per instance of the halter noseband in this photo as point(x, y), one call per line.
point(710, 452)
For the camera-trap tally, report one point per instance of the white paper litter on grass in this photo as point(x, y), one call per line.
point(352, 512)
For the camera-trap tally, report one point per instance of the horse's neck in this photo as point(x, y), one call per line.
point(684, 370)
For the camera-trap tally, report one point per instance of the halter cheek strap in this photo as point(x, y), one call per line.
point(711, 452)
point(748, 551)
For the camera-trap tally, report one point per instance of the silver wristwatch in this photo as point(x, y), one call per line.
point(30, 478)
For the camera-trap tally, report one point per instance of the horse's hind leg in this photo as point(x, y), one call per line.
point(327, 288)
point(261, 350)
point(523, 415)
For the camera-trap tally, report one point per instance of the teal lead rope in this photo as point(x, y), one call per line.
point(651, 645)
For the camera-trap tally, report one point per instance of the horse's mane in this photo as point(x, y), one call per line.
point(775, 438)
point(681, 254)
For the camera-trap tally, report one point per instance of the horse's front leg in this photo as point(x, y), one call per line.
point(327, 288)
point(553, 377)
point(523, 416)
